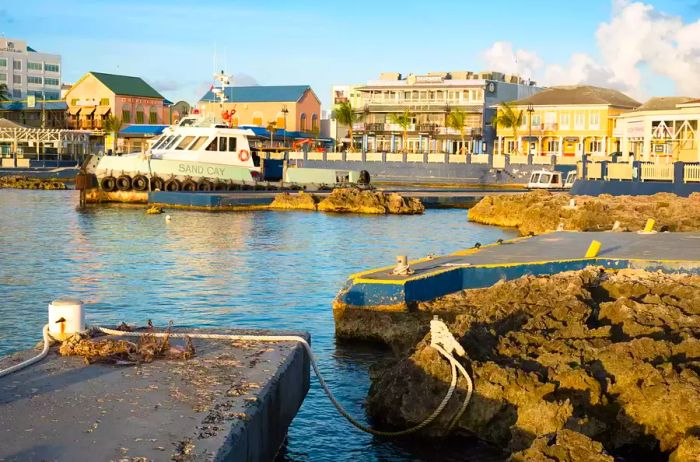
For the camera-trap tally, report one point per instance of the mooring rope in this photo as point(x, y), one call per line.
point(438, 344)
point(37, 358)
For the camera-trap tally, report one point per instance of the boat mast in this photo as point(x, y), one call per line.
point(223, 81)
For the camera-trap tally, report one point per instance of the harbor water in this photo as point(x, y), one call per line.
point(278, 270)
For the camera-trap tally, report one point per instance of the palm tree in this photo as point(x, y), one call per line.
point(508, 117)
point(457, 119)
point(404, 121)
point(272, 128)
point(4, 92)
point(346, 115)
point(112, 125)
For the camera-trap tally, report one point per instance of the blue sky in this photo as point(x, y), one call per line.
point(172, 44)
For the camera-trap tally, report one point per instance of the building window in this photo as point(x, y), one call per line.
point(139, 114)
point(302, 122)
point(579, 120)
point(3, 62)
point(553, 146)
point(52, 95)
point(34, 66)
point(314, 122)
point(17, 79)
point(17, 65)
point(103, 101)
point(535, 120)
point(596, 146)
point(564, 121)
point(126, 116)
point(594, 120)
point(50, 81)
point(257, 118)
point(153, 117)
point(510, 146)
point(16, 93)
point(51, 67)
point(34, 80)
point(280, 120)
point(3, 77)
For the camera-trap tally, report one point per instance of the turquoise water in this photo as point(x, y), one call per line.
point(257, 270)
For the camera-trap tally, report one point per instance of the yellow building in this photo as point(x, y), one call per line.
point(566, 121)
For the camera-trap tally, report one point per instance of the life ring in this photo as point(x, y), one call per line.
point(243, 155)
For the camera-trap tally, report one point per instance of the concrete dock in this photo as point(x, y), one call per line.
point(251, 200)
point(540, 255)
point(231, 401)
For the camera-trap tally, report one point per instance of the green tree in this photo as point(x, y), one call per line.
point(4, 92)
point(113, 125)
point(346, 115)
point(404, 121)
point(457, 120)
point(508, 117)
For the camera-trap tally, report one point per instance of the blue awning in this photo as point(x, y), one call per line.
point(143, 130)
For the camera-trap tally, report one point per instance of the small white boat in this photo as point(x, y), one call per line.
point(547, 179)
point(200, 154)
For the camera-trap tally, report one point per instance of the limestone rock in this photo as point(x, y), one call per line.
point(612, 356)
point(540, 211)
point(298, 201)
point(354, 200)
point(563, 446)
point(687, 451)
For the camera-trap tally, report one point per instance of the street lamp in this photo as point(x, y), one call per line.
point(285, 111)
point(530, 110)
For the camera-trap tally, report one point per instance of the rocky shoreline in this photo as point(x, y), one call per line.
point(350, 200)
point(570, 367)
point(25, 182)
point(541, 211)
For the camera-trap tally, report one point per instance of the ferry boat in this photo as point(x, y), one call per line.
point(204, 154)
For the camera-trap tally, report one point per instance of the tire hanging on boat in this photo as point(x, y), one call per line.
point(189, 186)
point(172, 185)
point(139, 183)
point(205, 185)
point(220, 186)
point(157, 184)
point(124, 183)
point(108, 183)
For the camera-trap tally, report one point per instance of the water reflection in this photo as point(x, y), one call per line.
point(257, 269)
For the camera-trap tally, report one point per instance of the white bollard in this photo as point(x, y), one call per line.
point(66, 317)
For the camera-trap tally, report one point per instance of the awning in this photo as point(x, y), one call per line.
point(74, 110)
point(102, 110)
point(86, 111)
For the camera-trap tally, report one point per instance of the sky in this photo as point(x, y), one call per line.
point(644, 48)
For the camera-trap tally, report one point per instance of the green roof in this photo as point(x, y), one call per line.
point(127, 85)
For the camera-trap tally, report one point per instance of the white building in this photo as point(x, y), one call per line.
point(26, 71)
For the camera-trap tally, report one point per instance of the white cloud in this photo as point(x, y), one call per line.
point(636, 36)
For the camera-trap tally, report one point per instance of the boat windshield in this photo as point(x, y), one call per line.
point(199, 143)
point(186, 141)
point(545, 178)
point(159, 142)
point(535, 178)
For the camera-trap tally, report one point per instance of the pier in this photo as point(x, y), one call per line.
point(231, 401)
point(483, 266)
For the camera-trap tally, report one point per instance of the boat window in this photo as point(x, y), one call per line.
point(555, 178)
point(162, 142)
point(545, 178)
point(199, 143)
point(222, 143)
point(186, 141)
point(157, 141)
point(232, 144)
point(212, 145)
point(172, 142)
point(535, 178)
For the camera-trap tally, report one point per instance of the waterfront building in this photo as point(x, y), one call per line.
point(35, 113)
point(28, 72)
point(566, 121)
point(96, 96)
point(428, 100)
point(664, 129)
point(289, 107)
point(342, 94)
point(178, 111)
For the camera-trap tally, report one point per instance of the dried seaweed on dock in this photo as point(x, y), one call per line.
point(148, 348)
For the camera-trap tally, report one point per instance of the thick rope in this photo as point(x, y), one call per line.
point(293, 338)
point(37, 358)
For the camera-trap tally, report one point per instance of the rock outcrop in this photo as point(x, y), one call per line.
point(25, 182)
point(562, 362)
point(540, 211)
point(350, 200)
